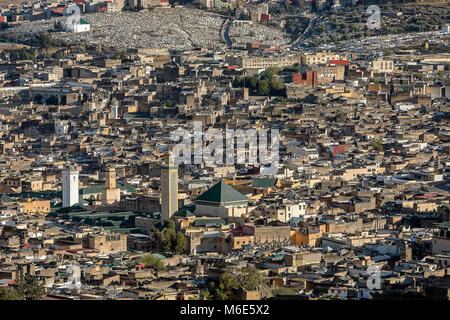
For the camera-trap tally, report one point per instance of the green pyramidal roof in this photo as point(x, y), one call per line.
point(221, 193)
point(4, 198)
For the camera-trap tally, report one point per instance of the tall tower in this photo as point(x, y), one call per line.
point(114, 109)
point(110, 193)
point(110, 178)
point(406, 252)
point(70, 186)
point(169, 188)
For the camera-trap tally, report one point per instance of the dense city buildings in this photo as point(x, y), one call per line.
point(224, 150)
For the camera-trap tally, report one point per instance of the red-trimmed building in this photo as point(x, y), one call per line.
point(309, 78)
point(340, 149)
point(339, 62)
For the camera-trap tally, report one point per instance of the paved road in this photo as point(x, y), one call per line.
point(307, 32)
point(225, 30)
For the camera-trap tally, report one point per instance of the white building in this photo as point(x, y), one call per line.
point(61, 127)
point(284, 212)
point(441, 240)
point(70, 186)
point(446, 28)
point(404, 106)
point(81, 26)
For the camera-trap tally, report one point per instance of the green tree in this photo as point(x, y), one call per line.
point(78, 50)
point(121, 55)
point(30, 288)
point(276, 87)
point(9, 294)
point(170, 240)
point(264, 87)
point(21, 54)
point(268, 74)
point(180, 243)
point(341, 117)
point(153, 262)
point(207, 295)
point(284, 291)
point(16, 98)
point(251, 82)
point(250, 279)
point(244, 16)
point(59, 55)
point(222, 290)
point(58, 25)
point(376, 146)
point(237, 82)
point(53, 100)
point(38, 98)
point(274, 70)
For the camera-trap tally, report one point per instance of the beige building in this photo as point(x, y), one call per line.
point(35, 206)
point(353, 173)
point(382, 66)
point(259, 62)
point(303, 258)
point(320, 57)
point(111, 243)
point(297, 90)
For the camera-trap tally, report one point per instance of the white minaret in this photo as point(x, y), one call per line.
point(70, 186)
point(169, 188)
point(114, 109)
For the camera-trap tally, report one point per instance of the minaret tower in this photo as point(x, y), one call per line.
point(114, 109)
point(169, 188)
point(110, 194)
point(70, 186)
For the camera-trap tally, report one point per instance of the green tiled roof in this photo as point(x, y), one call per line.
point(92, 189)
point(98, 189)
point(4, 198)
point(121, 230)
point(76, 207)
point(45, 195)
point(221, 193)
point(137, 115)
point(184, 213)
point(264, 182)
point(209, 222)
point(125, 187)
point(159, 256)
